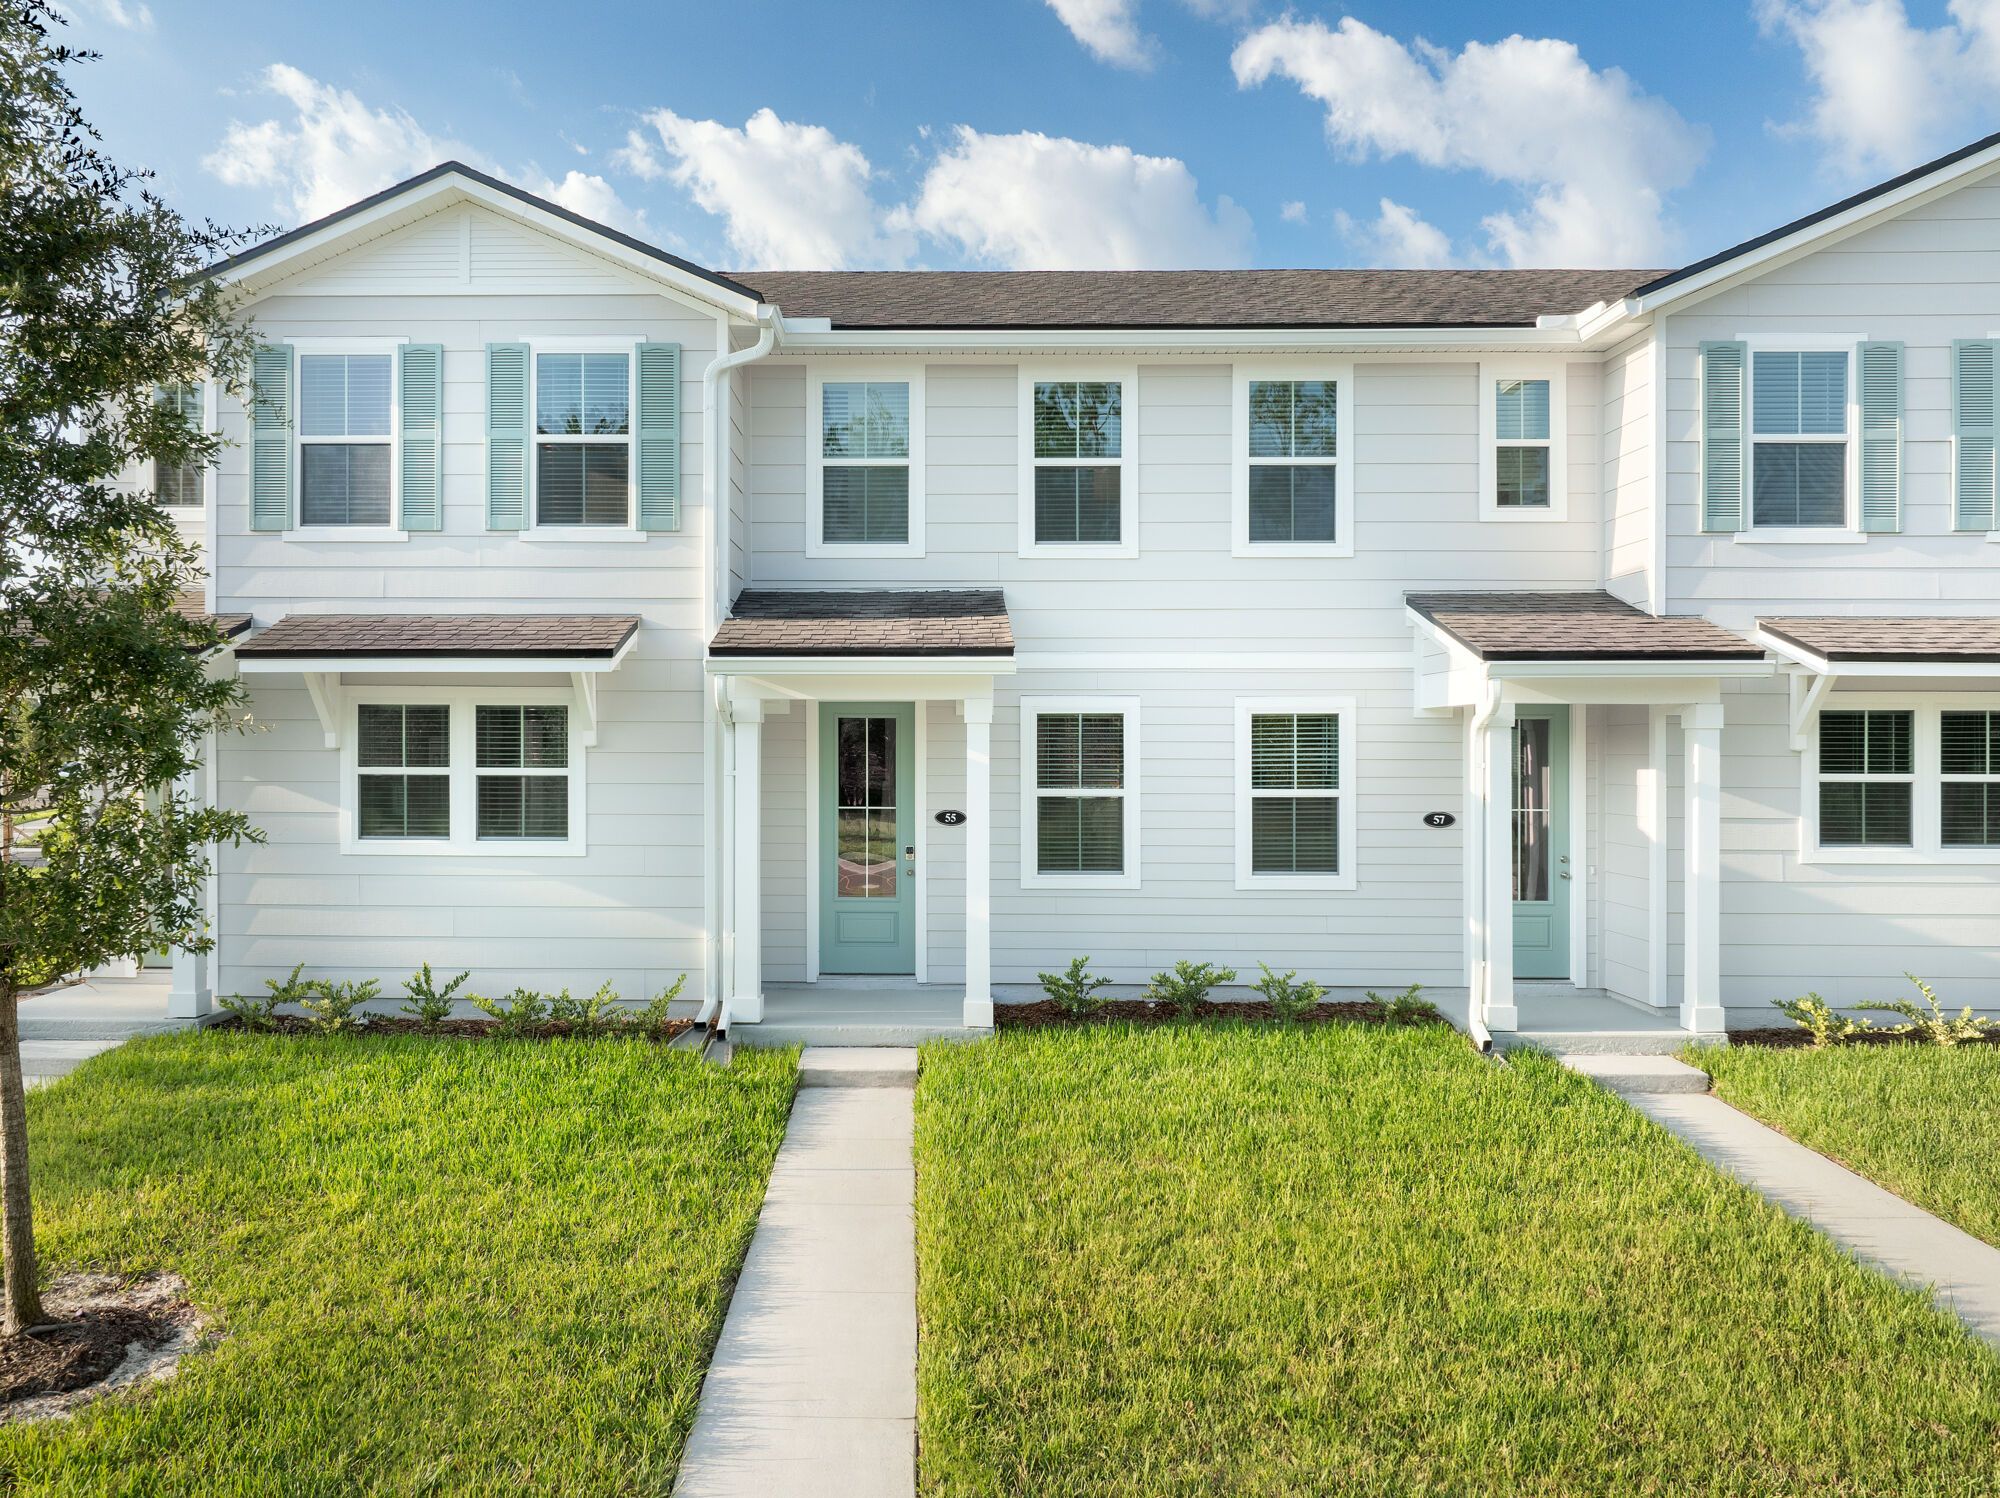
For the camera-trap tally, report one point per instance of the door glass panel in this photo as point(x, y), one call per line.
point(1531, 809)
point(865, 818)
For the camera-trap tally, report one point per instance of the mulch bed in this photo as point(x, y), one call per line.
point(1045, 1014)
point(457, 1029)
point(1790, 1039)
point(103, 1333)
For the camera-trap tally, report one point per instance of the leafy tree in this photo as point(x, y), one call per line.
point(105, 697)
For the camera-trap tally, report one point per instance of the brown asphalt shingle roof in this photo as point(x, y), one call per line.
point(1892, 639)
point(1190, 298)
point(521, 635)
point(1574, 627)
point(956, 622)
point(229, 626)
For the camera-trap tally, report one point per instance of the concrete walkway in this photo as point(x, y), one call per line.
point(813, 1389)
point(1877, 1227)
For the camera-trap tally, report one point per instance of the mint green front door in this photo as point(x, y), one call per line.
point(1541, 842)
point(867, 838)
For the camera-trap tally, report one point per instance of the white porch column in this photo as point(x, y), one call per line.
point(1701, 987)
point(979, 862)
point(746, 999)
point(193, 992)
point(1501, 1013)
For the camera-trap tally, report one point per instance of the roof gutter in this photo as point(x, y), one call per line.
point(1110, 340)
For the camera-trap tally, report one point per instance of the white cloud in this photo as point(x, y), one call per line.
point(1109, 29)
point(790, 195)
point(1039, 202)
point(1399, 238)
point(132, 17)
point(336, 149)
point(1292, 213)
point(1888, 94)
point(1596, 156)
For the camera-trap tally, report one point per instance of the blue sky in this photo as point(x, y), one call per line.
point(1062, 133)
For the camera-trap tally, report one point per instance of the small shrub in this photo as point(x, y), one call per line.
point(260, 1012)
point(1826, 1024)
point(330, 1007)
point(1407, 1007)
point(654, 1020)
point(591, 1016)
point(1075, 991)
point(522, 1012)
point(1187, 986)
point(1290, 1000)
point(1929, 1019)
point(430, 1004)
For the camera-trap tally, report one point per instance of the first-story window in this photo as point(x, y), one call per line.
point(1867, 774)
point(531, 744)
point(1080, 801)
point(466, 771)
point(583, 439)
point(1292, 774)
point(403, 785)
point(346, 439)
point(1798, 428)
point(1969, 789)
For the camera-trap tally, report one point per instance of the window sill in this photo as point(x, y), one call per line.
point(1291, 549)
point(1082, 551)
point(574, 534)
point(1902, 857)
point(864, 550)
point(1518, 514)
point(1335, 882)
point(367, 534)
point(415, 848)
point(1079, 881)
point(1803, 536)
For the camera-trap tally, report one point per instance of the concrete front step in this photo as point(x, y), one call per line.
point(858, 1066)
point(1593, 1042)
point(1631, 1075)
point(846, 1036)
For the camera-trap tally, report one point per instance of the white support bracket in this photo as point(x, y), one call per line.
point(326, 698)
point(585, 685)
point(1806, 696)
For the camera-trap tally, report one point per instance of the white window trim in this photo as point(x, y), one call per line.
point(819, 374)
point(1342, 463)
point(464, 841)
point(1849, 532)
point(393, 531)
point(1927, 845)
point(1126, 377)
point(1343, 709)
point(609, 344)
point(1491, 373)
point(1031, 876)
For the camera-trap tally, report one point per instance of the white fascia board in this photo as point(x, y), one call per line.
point(443, 192)
point(1640, 670)
point(1820, 665)
point(417, 665)
point(859, 665)
point(1204, 341)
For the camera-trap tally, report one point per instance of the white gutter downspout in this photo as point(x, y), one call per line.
point(720, 912)
point(1475, 1009)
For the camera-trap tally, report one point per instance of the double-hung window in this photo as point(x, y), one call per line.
point(1523, 425)
point(462, 770)
point(1080, 798)
point(865, 460)
point(1799, 439)
point(1293, 437)
point(403, 759)
point(1867, 777)
point(178, 485)
point(1294, 769)
point(346, 438)
point(583, 439)
point(1079, 468)
point(1969, 778)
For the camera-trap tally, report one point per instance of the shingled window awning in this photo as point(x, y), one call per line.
point(354, 640)
point(1574, 627)
point(1830, 643)
point(768, 623)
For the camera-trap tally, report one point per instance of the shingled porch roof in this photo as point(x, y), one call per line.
point(402, 636)
point(779, 623)
point(1584, 626)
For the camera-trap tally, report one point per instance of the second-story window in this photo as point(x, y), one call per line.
point(346, 439)
point(178, 485)
point(1522, 431)
point(583, 439)
point(1292, 430)
point(865, 480)
point(1079, 474)
point(1798, 428)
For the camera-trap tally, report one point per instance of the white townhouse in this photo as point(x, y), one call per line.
point(1614, 650)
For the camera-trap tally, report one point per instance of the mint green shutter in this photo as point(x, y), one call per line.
point(1972, 433)
point(659, 430)
point(1881, 436)
point(1724, 467)
point(506, 436)
point(420, 389)
point(271, 437)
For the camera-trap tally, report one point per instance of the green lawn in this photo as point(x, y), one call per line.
point(1347, 1260)
point(1918, 1119)
point(441, 1267)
